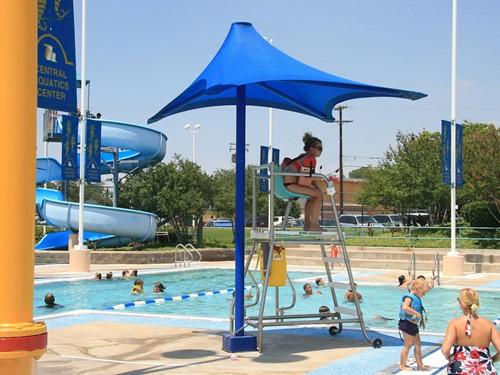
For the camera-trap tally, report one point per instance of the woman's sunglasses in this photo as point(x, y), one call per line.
point(320, 148)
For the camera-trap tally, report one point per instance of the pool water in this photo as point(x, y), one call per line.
point(440, 303)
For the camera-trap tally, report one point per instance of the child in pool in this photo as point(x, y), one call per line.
point(158, 287)
point(138, 287)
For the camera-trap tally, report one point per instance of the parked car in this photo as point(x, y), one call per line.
point(296, 223)
point(327, 223)
point(220, 223)
point(278, 220)
point(261, 221)
point(388, 220)
point(359, 221)
point(417, 219)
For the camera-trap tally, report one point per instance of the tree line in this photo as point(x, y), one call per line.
point(179, 192)
point(409, 177)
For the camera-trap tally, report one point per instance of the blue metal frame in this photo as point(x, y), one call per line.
point(239, 341)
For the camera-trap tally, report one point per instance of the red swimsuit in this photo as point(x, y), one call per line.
point(473, 360)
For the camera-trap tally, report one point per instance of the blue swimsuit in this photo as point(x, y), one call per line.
point(407, 322)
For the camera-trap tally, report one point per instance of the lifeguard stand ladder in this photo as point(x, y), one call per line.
point(270, 237)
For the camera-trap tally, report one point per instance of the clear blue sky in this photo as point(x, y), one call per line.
point(142, 54)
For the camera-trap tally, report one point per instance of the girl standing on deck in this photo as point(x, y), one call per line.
point(410, 317)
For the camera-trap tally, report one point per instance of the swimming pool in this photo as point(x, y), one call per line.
point(440, 303)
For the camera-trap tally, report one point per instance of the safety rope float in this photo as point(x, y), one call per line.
point(181, 297)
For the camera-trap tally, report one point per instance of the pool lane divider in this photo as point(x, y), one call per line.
point(181, 297)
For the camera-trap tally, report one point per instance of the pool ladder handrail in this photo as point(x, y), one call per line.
point(436, 272)
point(190, 248)
point(182, 262)
point(412, 266)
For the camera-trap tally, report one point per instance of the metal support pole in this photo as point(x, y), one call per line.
point(341, 165)
point(22, 340)
point(453, 128)
point(83, 129)
point(240, 212)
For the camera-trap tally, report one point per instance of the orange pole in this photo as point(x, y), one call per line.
point(21, 340)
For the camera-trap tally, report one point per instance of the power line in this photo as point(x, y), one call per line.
point(363, 157)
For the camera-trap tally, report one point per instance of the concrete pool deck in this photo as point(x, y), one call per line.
point(125, 343)
point(128, 343)
point(108, 348)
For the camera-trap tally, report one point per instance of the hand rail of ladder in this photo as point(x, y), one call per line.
point(412, 266)
point(191, 247)
point(436, 268)
point(184, 252)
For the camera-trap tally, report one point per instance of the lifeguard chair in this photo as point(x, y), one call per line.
point(269, 237)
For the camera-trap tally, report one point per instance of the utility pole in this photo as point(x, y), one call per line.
point(341, 121)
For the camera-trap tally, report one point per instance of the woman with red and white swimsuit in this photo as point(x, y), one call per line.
point(470, 336)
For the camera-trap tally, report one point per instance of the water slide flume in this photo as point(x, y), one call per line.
point(138, 147)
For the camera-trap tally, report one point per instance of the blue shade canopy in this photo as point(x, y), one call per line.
point(272, 79)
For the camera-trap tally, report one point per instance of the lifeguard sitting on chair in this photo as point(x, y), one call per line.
point(307, 185)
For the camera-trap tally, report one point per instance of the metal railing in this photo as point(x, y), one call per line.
point(182, 256)
point(413, 237)
point(436, 272)
point(191, 248)
point(412, 266)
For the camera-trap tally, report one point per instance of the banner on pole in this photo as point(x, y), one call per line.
point(93, 151)
point(276, 156)
point(69, 148)
point(56, 56)
point(264, 159)
point(459, 180)
point(446, 153)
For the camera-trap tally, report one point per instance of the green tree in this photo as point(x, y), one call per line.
point(360, 172)
point(223, 181)
point(176, 192)
point(410, 177)
point(94, 193)
point(480, 195)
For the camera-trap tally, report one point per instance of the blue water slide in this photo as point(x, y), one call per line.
point(138, 147)
point(47, 169)
point(138, 225)
point(59, 240)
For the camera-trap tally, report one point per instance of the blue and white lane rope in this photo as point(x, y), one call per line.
point(181, 297)
point(496, 322)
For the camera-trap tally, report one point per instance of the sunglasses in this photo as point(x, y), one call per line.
point(320, 148)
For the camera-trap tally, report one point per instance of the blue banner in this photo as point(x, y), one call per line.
point(93, 151)
point(69, 143)
point(459, 141)
point(56, 55)
point(276, 156)
point(446, 153)
point(264, 158)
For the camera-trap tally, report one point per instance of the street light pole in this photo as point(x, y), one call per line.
point(270, 128)
point(193, 130)
point(83, 129)
point(453, 262)
point(341, 121)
